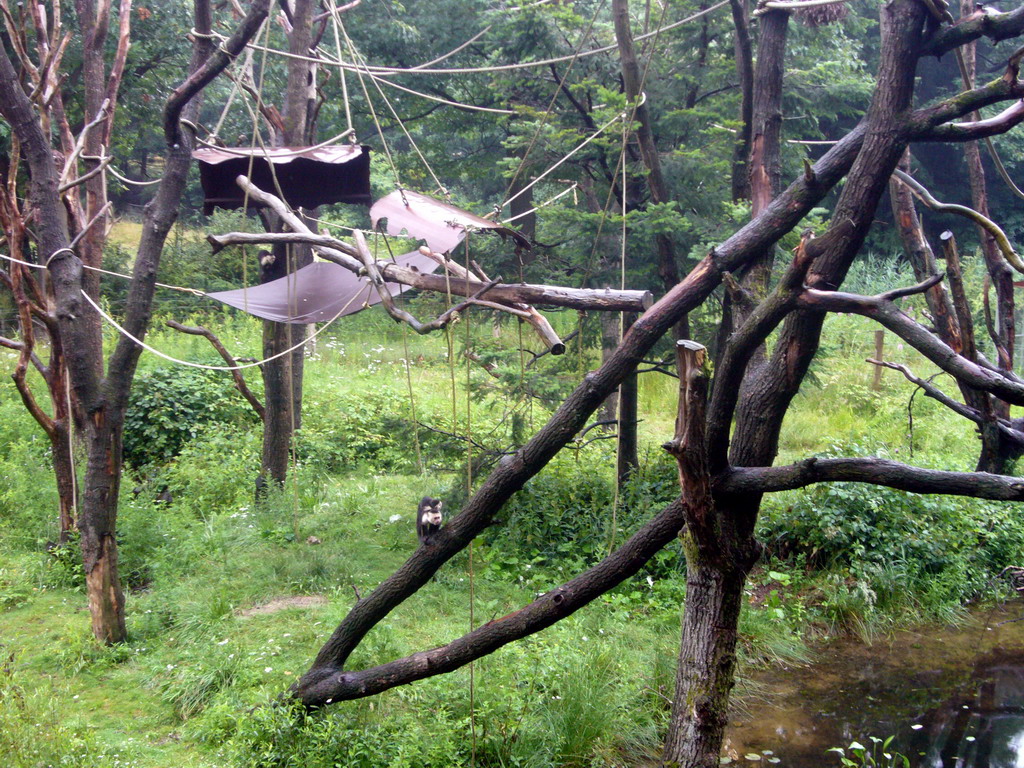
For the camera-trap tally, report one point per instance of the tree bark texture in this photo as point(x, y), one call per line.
point(707, 663)
point(283, 376)
point(627, 460)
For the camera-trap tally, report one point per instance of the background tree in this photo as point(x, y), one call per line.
point(101, 395)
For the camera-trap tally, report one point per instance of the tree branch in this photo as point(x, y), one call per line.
point(326, 683)
point(883, 311)
point(224, 54)
point(874, 471)
point(988, 23)
point(228, 358)
point(962, 210)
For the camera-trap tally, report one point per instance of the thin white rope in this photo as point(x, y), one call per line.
point(113, 171)
point(124, 332)
point(194, 291)
point(335, 12)
point(420, 70)
point(132, 182)
point(584, 143)
point(51, 258)
point(453, 51)
point(426, 165)
point(545, 204)
point(528, 5)
point(438, 99)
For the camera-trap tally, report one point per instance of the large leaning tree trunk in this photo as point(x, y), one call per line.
point(102, 392)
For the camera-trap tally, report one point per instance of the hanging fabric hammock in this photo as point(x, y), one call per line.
point(316, 293)
point(440, 224)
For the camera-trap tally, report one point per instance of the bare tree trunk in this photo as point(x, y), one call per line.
point(282, 377)
point(745, 72)
point(632, 79)
point(707, 664)
point(64, 474)
point(609, 343)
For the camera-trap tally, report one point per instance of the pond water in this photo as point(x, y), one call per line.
point(953, 698)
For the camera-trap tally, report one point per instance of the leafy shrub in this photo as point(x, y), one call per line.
point(349, 430)
point(168, 406)
point(563, 516)
point(895, 546)
point(215, 470)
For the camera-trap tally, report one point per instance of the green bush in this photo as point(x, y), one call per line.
point(563, 516)
point(349, 430)
point(895, 546)
point(168, 406)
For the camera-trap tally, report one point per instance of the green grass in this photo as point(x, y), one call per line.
point(589, 691)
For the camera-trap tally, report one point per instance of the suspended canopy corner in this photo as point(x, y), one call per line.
point(306, 177)
point(440, 224)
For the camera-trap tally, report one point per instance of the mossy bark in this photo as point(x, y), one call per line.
point(707, 660)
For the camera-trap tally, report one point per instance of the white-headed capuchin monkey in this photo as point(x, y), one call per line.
point(428, 518)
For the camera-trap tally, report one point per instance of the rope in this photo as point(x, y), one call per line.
point(529, 64)
point(622, 332)
point(335, 13)
point(420, 69)
point(412, 141)
point(271, 152)
point(194, 291)
point(554, 96)
point(47, 265)
point(438, 99)
point(586, 141)
point(373, 113)
point(545, 204)
point(124, 332)
point(469, 492)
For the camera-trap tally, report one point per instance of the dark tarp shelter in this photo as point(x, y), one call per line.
point(305, 177)
point(316, 293)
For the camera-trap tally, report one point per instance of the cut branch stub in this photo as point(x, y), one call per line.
point(688, 446)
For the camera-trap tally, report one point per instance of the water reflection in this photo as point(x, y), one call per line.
point(986, 730)
point(954, 699)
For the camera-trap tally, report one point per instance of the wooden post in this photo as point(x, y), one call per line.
point(879, 355)
point(688, 445)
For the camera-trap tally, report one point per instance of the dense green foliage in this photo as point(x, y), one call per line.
point(229, 603)
point(229, 600)
point(169, 407)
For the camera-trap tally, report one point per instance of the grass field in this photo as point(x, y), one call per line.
point(228, 603)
